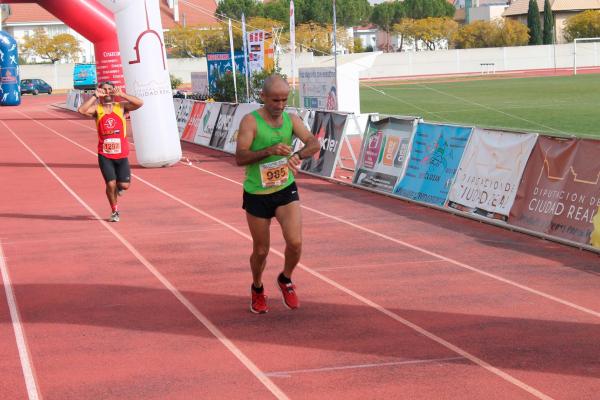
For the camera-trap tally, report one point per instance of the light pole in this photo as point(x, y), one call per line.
point(335, 61)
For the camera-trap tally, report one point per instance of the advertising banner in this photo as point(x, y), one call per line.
point(308, 117)
point(207, 123)
point(318, 88)
point(490, 171)
point(384, 153)
point(434, 159)
point(559, 194)
point(183, 114)
point(189, 132)
point(176, 104)
point(241, 111)
point(219, 136)
point(219, 64)
point(200, 83)
point(328, 128)
point(256, 51)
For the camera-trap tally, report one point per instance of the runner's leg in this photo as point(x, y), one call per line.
point(289, 217)
point(261, 241)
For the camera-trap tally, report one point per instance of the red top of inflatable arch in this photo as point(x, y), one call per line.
point(94, 22)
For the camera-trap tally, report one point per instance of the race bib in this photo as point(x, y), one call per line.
point(274, 173)
point(111, 146)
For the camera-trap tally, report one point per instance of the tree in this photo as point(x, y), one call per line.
point(583, 25)
point(352, 12)
point(496, 33)
point(235, 8)
point(407, 30)
point(196, 41)
point(533, 23)
point(183, 42)
point(53, 49)
point(434, 31)
point(548, 23)
point(418, 9)
point(277, 10)
point(316, 11)
point(385, 15)
point(512, 33)
point(312, 36)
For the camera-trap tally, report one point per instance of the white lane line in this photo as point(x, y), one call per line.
point(432, 254)
point(373, 266)
point(26, 364)
point(463, 353)
point(288, 374)
point(270, 385)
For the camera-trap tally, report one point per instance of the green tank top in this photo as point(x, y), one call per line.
point(270, 174)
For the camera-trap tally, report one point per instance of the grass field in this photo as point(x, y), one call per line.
point(563, 105)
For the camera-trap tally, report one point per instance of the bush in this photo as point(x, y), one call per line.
point(225, 91)
point(258, 79)
point(175, 82)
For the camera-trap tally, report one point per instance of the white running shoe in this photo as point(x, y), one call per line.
point(114, 217)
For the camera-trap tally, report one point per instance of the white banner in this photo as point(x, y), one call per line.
point(200, 83)
point(183, 114)
point(242, 110)
point(207, 123)
point(318, 88)
point(490, 171)
point(176, 104)
point(256, 51)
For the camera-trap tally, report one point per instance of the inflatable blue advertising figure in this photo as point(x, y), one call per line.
point(10, 85)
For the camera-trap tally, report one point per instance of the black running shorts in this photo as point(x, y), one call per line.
point(264, 205)
point(114, 169)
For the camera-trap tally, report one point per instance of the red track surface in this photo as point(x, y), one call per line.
point(398, 301)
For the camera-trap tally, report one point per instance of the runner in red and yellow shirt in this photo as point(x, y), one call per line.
point(113, 147)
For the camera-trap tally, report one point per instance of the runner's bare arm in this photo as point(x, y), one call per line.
point(246, 134)
point(311, 144)
point(88, 108)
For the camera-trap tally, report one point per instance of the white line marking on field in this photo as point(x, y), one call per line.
point(476, 360)
point(288, 374)
point(433, 254)
point(363, 266)
point(26, 364)
point(270, 385)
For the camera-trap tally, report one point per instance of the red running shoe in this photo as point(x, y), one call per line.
point(290, 299)
point(259, 302)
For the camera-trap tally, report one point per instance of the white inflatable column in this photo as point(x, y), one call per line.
point(141, 43)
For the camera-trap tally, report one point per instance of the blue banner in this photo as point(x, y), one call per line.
point(10, 90)
point(219, 64)
point(434, 159)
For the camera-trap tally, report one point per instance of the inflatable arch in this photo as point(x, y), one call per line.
point(129, 43)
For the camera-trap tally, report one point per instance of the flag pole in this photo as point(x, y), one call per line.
point(244, 40)
point(335, 53)
point(233, 61)
point(293, 50)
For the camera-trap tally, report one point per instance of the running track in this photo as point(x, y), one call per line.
point(398, 301)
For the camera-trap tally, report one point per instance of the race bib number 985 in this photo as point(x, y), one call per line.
point(112, 146)
point(274, 173)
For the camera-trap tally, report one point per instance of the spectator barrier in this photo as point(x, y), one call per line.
point(540, 185)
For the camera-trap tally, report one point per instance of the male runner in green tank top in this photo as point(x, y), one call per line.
point(264, 147)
